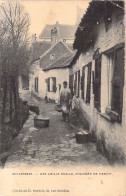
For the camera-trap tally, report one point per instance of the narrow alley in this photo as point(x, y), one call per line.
point(52, 146)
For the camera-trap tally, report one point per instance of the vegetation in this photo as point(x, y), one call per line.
point(14, 52)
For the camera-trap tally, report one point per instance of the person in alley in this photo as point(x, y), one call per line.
point(65, 101)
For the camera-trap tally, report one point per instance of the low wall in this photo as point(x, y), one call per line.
point(11, 129)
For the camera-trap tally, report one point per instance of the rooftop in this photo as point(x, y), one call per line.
point(58, 51)
point(65, 31)
point(61, 63)
point(38, 49)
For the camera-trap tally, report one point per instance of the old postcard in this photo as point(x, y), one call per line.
point(62, 98)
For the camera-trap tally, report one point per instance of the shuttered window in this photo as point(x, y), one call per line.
point(88, 83)
point(54, 84)
point(82, 82)
point(51, 84)
point(36, 84)
point(78, 83)
point(48, 84)
point(71, 80)
point(75, 83)
point(118, 81)
point(97, 83)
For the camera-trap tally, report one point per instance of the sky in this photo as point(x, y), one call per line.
point(48, 12)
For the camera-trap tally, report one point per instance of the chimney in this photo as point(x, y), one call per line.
point(58, 30)
point(54, 35)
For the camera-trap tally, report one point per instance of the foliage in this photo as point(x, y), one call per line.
point(14, 53)
point(14, 26)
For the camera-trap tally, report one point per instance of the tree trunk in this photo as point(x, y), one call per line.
point(15, 91)
point(4, 97)
point(10, 99)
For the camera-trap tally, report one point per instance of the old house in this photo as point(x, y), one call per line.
point(50, 66)
point(97, 76)
point(38, 48)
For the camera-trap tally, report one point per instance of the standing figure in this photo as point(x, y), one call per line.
point(65, 101)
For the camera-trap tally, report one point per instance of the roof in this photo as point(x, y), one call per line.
point(39, 48)
point(65, 31)
point(84, 35)
point(61, 63)
point(58, 50)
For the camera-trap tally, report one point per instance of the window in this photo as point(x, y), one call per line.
point(118, 82)
point(82, 82)
point(71, 80)
point(97, 83)
point(51, 84)
point(52, 56)
point(114, 62)
point(110, 76)
point(78, 87)
point(36, 84)
point(77, 83)
point(85, 87)
point(88, 83)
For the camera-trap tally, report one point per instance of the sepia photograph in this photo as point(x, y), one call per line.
point(62, 93)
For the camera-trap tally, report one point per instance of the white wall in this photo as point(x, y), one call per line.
point(60, 74)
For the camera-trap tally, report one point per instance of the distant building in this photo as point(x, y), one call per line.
point(58, 31)
point(49, 66)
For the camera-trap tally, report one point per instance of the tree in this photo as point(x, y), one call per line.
point(14, 49)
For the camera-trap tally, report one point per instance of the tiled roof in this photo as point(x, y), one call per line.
point(61, 63)
point(58, 50)
point(39, 48)
point(66, 31)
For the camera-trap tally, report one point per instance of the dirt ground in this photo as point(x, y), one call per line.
point(52, 146)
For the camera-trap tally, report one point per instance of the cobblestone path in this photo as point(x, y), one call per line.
point(52, 146)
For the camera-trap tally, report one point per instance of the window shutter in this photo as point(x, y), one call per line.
point(88, 84)
point(71, 83)
point(93, 78)
point(48, 84)
point(75, 83)
point(54, 84)
point(97, 83)
point(82, 82)
point(78, 89)
point(118, 81)
point(36, 84)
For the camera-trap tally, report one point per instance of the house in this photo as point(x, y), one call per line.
point(37, 49)
point(50, 67)
point(97, 76)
